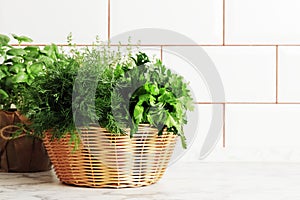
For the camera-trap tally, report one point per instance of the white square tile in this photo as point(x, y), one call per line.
point(52, 21)
point(200, 20)
point(288, 74)
point(262, 132)
point(262, 22)
point(191, 73)
point(204, 125)
point(248, 74)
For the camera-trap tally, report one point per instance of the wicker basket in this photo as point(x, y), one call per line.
point(105, 160)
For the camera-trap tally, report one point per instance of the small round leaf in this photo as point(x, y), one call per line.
point(21, 77)
point(4, 40)
point(16, 52)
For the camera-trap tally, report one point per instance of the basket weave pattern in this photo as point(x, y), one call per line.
point(106, 160)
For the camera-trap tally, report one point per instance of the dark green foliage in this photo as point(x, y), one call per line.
point(49, 101)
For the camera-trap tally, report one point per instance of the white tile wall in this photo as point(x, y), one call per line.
point(203, 124)
point(200, 20)
point(262, 22)
point(248, 73)
point(52, 21)
point(262, 133)
point(289, 71)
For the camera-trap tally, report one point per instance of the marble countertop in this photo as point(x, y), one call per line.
point(183, 180)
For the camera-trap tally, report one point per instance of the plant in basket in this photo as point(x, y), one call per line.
point(152, 94)
point(111, 120)
point(19, 66)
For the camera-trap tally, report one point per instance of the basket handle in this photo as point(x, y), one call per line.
point(5, 137)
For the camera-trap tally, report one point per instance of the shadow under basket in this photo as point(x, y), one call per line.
point(104, 160)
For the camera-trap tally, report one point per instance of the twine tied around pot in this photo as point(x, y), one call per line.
point(8, 131)
point(20, 151)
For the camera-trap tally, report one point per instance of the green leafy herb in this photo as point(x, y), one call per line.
point(19, 67)
point(48, 102)
point(162, 99)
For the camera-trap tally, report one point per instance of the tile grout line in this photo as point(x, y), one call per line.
point(161, 53)
point(108, 20)
point(247, 103)
point(223, 22)
point(224, 117)
point(169, 45)
point(276, 74)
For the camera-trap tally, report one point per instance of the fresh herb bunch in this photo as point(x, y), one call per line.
point(49, 99)
point(62, 99)
point(151, 93)
point(19, 66)
point(94, 85)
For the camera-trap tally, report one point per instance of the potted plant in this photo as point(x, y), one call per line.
point(18, 68)
point(111, 120)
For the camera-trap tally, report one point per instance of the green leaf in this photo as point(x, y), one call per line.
point(17, 68)
point(16, 52)
point(3, 94)
point(152, 88)
point(51, 51)
point(22, 38)
point(46, 60)
point(170, 121)
point(2, 53)
point(2, 74)
point(169, 73)
point(119, 71)
point(4, 69)
point(138, 113)
point(35, 68)
point(162, 90)
point(167, 97)
point(183, 141)
point(178, 108)
point(152, 100)
point(17, 59)
point(33, 52)
point(32, 48)
point(143, 98)
point(150, 119)
point(4, 40)
point(21, 77)
point(157, 116)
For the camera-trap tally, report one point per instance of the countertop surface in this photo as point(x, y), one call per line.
point(183, 180)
